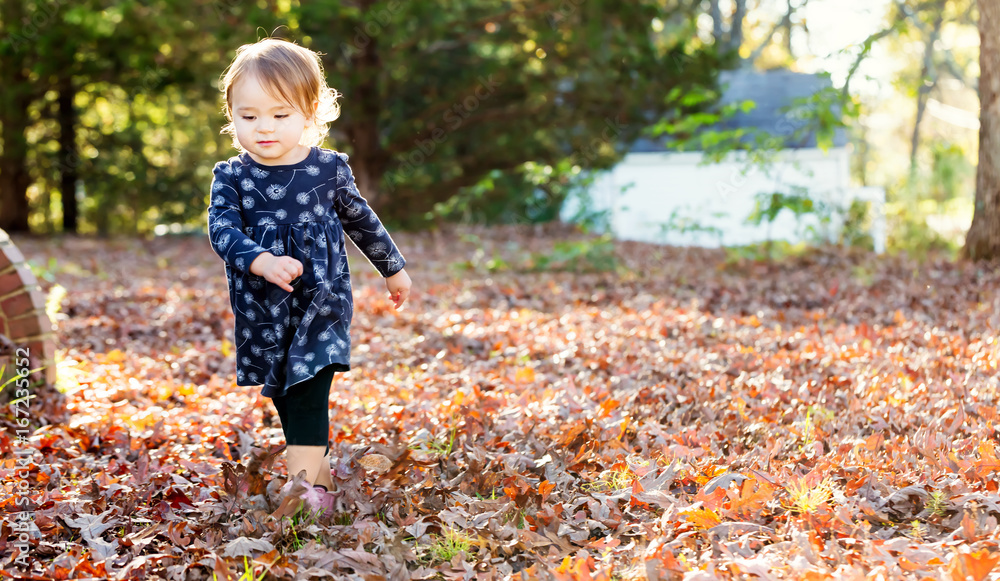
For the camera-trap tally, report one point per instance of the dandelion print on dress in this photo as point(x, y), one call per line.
point(300, 210)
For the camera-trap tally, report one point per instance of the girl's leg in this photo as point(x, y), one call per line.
point(324, 477)
point(308, 458)
point(305, 420)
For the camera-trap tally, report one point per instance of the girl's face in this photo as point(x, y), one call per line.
point(268, 129)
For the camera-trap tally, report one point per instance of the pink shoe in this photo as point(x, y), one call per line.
point(317, 500)
point(320, 501)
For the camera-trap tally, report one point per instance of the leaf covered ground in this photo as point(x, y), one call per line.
point(831, 416)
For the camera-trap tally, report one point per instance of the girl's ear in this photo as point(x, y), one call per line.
point(312, 118)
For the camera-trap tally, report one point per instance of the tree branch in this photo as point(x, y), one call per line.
point(767, 40)
point(866, 48)
point(927, 72)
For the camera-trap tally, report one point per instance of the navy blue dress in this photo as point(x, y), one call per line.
point(300, 210)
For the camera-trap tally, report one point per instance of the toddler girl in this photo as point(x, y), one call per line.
point(278, 216)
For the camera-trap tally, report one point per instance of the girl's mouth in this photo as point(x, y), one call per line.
point(266, 142)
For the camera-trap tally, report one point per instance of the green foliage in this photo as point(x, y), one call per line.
point(585, 213)
point(697, 121)
point(854, 230)
point(437, 447)
point(822, 414)
point(595, 254)
point(590, 254)
point(524, 97)
point(524, 100)
point(301, 519)
point(479, 261)
point(466, 206)
point(772, 250)
point(824, 113)
point(681, 224)
point(950, 172)
point(141, 78)
point(248, 572)
point(768, 206)
point(804, 498)
point(610, 481)
point(531, 194)
point(854, 220)
point(937, 505)
point(820, 115)
point(446, 546)
point(910, 233)
point(928, 209)
point(930, 197)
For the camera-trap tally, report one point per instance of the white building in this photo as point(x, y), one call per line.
point(657, 195)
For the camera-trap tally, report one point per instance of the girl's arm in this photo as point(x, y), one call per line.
point(225, 222)
point(362, 226)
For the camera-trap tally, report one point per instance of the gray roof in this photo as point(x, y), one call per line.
point(773, 92)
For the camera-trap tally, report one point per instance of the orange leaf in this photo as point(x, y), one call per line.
point(572, 434)
point(607, 406)
point(702, 518)
point(603, 543)
point(713, 500)
point(976, 565)
point(636, 489)
point(670, 562)
point(115, 356)
point(545, 488)
point(968, 526)
point(576, 569)
point(753, 495)
point(908, 565)
point(874, 441)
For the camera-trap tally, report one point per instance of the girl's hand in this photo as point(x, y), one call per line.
point(279, 270)
point(399, 287)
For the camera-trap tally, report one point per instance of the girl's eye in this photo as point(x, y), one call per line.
point(280, 116)
point(248, 117)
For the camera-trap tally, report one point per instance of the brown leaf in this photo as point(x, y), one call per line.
point(375, 463)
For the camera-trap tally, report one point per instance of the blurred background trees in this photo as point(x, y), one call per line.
point(111, 114)
point(465, 109)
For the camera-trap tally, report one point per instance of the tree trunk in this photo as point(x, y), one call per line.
point(367, 177)
point(736, 28)
point(14, 101)
point(983, 240)
point(14, 177)
point(68, 157)
point(369, 159)
point(716, 13)
point(788, 29)
point(14, 182)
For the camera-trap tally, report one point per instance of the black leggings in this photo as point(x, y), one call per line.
point(305, 411)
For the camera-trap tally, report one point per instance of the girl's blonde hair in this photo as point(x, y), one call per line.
point(290, 73)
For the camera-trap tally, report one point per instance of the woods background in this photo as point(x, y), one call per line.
point(480, 110)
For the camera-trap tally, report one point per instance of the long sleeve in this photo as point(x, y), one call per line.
point(225, 222)
point(362, 225)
